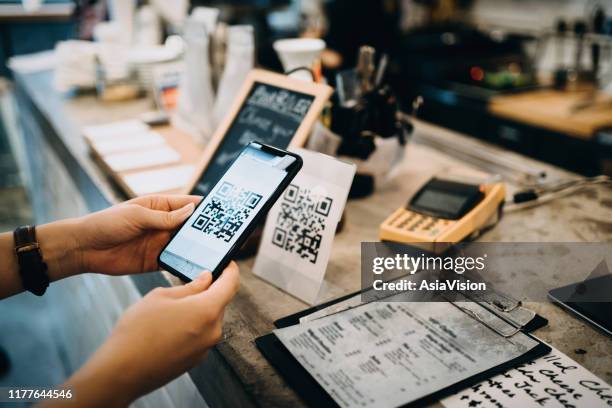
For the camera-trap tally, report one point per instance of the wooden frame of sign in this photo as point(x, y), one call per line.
point(318, 92)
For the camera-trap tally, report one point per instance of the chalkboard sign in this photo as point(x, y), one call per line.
point(272, 109)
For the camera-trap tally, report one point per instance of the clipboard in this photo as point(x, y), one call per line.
point(314, 395)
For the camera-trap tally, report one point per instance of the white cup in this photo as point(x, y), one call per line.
point(299, 52)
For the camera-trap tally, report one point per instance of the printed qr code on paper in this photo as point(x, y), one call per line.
point(227, 210)
point(301, 222)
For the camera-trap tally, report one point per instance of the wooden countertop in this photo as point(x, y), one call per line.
point(236, 373)
point(557, 110)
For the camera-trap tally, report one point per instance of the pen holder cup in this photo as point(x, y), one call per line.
point(376, 157)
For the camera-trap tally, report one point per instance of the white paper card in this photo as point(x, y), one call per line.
point(125, 142)
point(155, 181)
point(140, 159)
point(124, 127)
point(387, 354)
point(552, 381)
point(301, 226)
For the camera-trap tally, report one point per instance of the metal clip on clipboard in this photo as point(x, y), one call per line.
point(499, 301)
point(504, 307)
point(500, 313)
point(488, 318)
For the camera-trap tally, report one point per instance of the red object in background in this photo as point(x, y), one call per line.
point(169, 98)
point(477, 73)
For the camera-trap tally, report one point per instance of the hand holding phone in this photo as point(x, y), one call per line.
point(191, 316)
point(223, 220)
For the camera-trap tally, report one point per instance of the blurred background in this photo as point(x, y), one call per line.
point(463, 56)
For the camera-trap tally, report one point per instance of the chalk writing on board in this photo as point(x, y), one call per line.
point(280, 100)
point(270, 115)
point(249, 117)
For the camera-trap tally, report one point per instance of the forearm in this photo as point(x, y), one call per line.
point(103, 381)
point(91, 389)
point(59, 249)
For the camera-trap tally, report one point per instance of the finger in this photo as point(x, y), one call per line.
point(162, 220)
point(166, 202)
point(198, 285)
point(221, 292)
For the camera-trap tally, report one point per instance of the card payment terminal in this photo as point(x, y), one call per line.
point(444, 212)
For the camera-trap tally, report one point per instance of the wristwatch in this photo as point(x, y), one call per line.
point(32, 268)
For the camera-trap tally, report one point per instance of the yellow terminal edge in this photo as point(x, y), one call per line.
point(444, 212)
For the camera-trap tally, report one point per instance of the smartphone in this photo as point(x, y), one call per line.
point(590, 300)
point(224, 219)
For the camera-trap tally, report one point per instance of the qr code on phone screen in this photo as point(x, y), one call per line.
point(301, 222)
point(227, 210)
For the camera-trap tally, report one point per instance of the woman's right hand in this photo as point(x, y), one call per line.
point(157, 339)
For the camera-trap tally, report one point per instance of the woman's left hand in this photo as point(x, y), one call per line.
point(128, 237)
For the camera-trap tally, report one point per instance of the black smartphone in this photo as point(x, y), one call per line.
point(224, 219)
point(591, 300)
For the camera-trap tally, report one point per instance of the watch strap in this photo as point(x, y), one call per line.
point(32, 268)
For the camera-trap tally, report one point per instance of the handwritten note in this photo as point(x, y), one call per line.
point(552, 381)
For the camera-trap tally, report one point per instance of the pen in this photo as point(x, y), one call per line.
point(380, 72)
point(365, 67)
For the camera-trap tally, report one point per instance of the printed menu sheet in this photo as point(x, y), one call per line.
point(386, 354)
point(552, 381)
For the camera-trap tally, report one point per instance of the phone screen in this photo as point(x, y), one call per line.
point(223, 215)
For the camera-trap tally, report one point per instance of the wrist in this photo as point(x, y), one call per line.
point(94, 388)
point(60, 249)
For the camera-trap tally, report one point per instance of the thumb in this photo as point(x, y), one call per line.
point(199, 284)
point(164, 220)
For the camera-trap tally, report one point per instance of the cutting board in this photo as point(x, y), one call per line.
point(555, 110)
